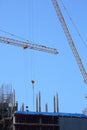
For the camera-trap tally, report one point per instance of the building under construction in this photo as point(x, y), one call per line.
point(49, 121)
point(27, 120)
point(7, 107)
point(12, 119)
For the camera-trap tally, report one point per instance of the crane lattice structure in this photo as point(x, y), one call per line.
point(70, 40)
point(27, 44)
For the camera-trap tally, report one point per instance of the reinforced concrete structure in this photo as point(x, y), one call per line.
point(7, 107)
point(49, 121)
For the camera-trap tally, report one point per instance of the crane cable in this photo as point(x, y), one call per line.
point(74, 25)
point(13, 35)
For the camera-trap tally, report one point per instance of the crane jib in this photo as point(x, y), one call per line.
point(70, 40)
point(29, 45)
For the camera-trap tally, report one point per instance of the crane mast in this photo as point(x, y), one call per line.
point(27, 44)
point(70, 40)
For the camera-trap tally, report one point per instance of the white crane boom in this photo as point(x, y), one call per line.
point(70, 40)
point(29, 45)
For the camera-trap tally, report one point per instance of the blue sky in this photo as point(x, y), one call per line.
point(36, 21)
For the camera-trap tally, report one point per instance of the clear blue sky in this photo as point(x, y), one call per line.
point(36, 21)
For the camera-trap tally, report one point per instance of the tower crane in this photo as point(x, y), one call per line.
point(70, 40)
point(27, 44)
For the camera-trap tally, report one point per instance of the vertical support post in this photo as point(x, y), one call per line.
point(57, 102)
point(54, 104)
point(36, 103)
point(46, 107)
point(39, 102)
point(13, 122)
point(32, 81)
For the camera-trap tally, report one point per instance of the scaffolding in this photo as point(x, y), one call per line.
point(6, 94)
point(7, 106)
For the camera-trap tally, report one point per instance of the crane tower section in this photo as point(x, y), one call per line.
point(70, 40)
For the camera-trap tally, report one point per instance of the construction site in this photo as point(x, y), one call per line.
point(11, 118)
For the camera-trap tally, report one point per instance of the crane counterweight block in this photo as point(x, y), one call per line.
point(27, 44)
